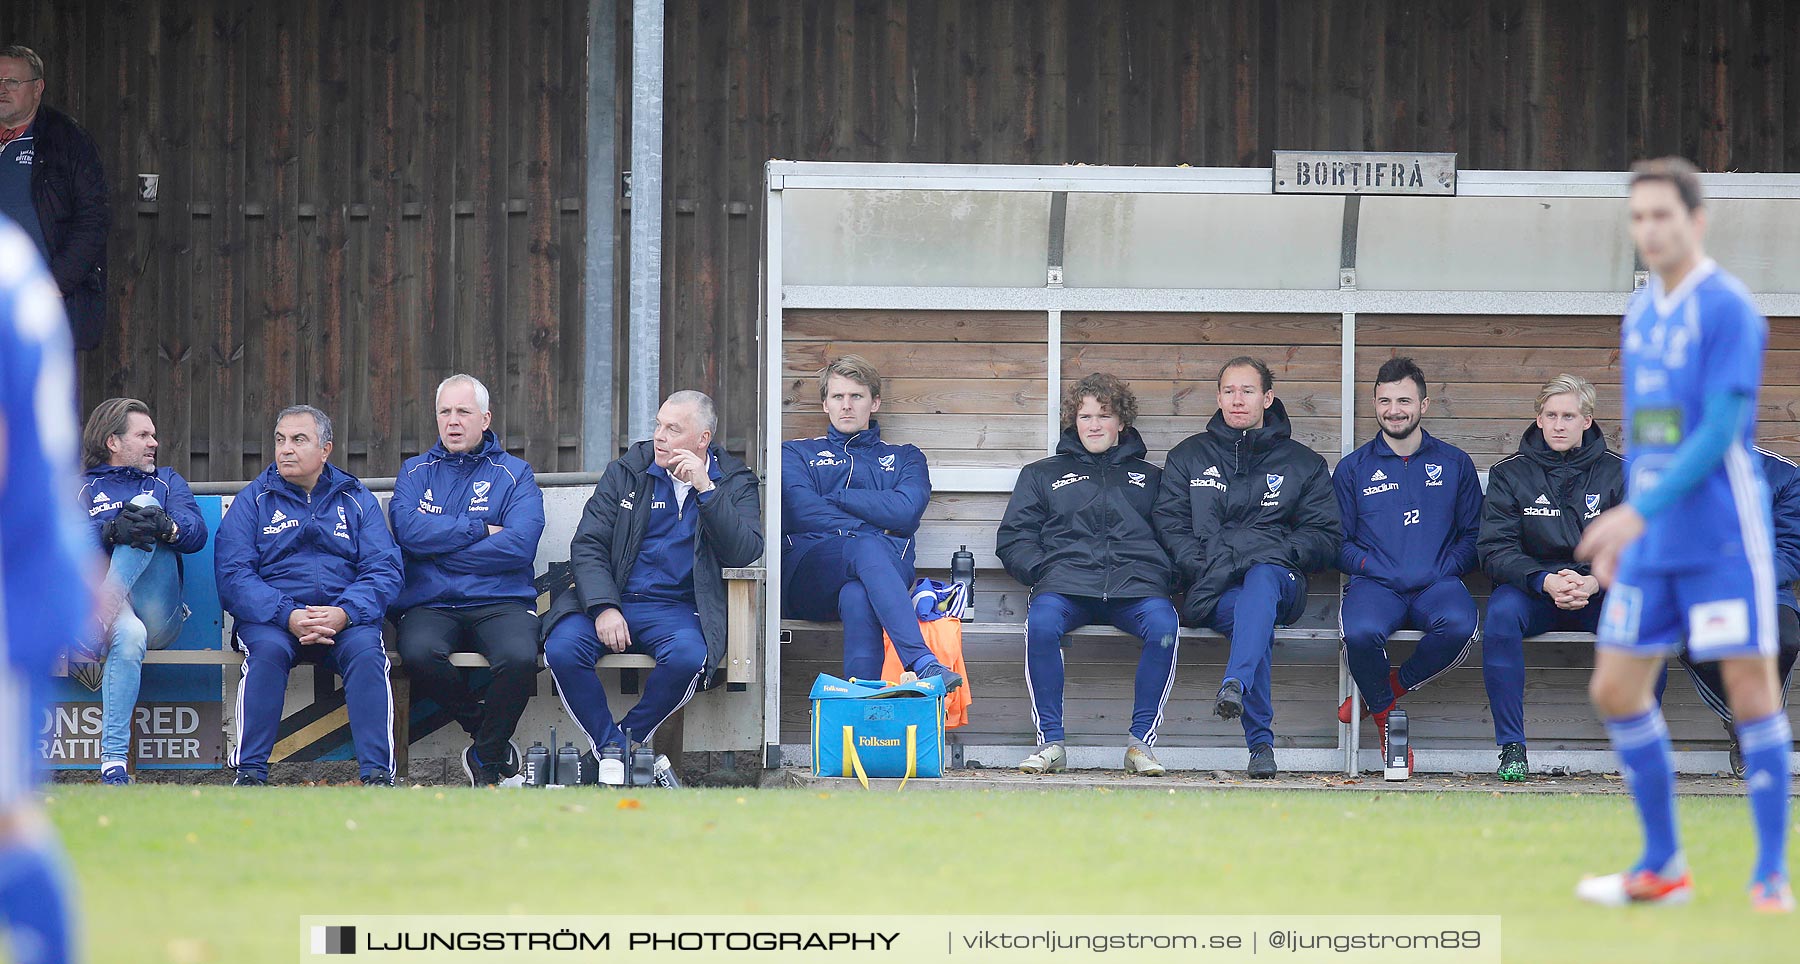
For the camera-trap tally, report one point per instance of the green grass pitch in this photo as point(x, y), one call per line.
point(215, 874)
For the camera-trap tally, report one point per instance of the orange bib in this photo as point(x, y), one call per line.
point(944, 638)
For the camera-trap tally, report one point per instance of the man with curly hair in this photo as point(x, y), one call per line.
point(1078, 532)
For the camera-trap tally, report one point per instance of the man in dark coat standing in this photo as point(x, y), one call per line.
point(52, 184)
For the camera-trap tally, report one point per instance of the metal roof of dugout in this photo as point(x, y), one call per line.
point(1055, 238)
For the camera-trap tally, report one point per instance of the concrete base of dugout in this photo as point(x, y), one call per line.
point(1309, 760)
point(743, 770)
point(1225, 780)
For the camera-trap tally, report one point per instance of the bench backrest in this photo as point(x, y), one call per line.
point(972, 388)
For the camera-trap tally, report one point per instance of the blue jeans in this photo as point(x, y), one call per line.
point(1052, 615)
point(670, 632)
point(150, 618)
point(1444, 611)
point(1246, 614)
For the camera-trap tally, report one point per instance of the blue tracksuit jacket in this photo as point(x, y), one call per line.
point(1408, 522)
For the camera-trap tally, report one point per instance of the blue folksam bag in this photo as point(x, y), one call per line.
point(868, 728)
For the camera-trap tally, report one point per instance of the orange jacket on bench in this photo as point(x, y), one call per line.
point(944, 638)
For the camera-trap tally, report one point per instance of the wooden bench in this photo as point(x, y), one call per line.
point(743, 600)
point(977, 391)
point(1347, 755)
point(743, 587)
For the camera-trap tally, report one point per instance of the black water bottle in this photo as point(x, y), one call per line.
point(1399, 742)
point(568, 766)
point(537, 765)
point(962, 570)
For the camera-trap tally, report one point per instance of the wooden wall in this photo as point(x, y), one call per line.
point(1485, 374)
point(357, 199)
point(1506, 84)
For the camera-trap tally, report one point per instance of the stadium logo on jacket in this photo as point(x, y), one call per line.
point(426, 504)
point(1434, 474)
point(1207, 480)
point(826, 457)
point(103, 503)
point(1135, 478)
point(1069, 479)
point(1542, 507)
point(278, 522)
point(887, 462)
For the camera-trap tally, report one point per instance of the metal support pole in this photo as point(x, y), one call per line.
point(772, 436)
point(645, 393)
point(600, 211)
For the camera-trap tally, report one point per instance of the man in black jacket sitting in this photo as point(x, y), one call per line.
point(1078, 532)
point(1538, 503)
point(649, 555)
point(1246, 512)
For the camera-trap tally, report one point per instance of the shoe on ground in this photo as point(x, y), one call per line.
point(1636, 887)
point(1229, 704)
point(1262, 762)
point(1139, 761)
point(248, 779)
point(1736, 754)
point(473, 770)
point(1513, 765)
point(378, 778)
point(115, 775)
point(1772, 895)
point(482, 773)
point(1049, 758)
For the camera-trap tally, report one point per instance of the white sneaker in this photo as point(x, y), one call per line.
point(1048, 759)
point(1642, 887)
point(611, 772)
point(1140, 761)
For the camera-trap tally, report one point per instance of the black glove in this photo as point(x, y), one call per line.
point(130, 528)
point(159, 519)
point(115, 531)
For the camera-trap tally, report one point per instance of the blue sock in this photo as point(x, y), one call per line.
point(34, 902)
point(1642, 743)
point(1765, 744)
